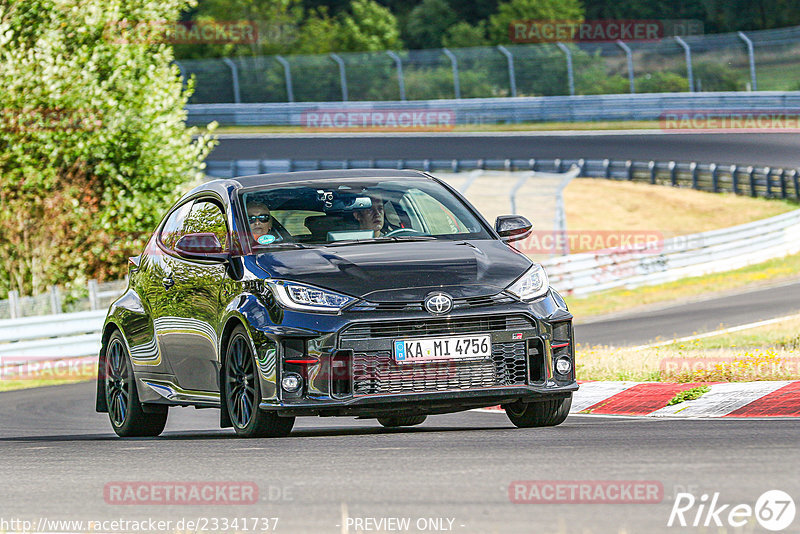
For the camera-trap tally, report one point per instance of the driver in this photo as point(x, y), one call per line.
point(371, 218)
point(260, 220)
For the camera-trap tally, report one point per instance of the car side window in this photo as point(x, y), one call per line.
point(173, 227)
point(207, 217)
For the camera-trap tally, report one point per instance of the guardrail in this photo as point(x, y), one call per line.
point(676, 258)
point(475, 111)
point(766, 182)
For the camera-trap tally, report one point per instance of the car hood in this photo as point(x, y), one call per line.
point(401, 271)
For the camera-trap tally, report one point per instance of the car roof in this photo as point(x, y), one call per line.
point(277, 178)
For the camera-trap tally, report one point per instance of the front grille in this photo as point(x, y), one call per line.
point(458, 304)
point(376, 373)
point(435, 326)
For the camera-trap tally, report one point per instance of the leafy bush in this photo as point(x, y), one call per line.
point(716, 77)
point(93, 143)
point(661, 82)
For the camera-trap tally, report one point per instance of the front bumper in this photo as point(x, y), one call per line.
point(420, 403)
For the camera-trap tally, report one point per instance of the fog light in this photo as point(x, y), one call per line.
point(563, 366)
point(291, 382)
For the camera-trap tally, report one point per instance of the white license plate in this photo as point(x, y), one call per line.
point(442, 348)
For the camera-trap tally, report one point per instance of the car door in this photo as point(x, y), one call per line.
point(187, 331)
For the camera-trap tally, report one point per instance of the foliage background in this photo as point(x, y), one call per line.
point(93, 145)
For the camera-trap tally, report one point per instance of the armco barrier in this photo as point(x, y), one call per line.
point(476, 111)
point(767, 182)
point(676, 258)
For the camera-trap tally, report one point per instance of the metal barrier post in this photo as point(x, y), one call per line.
point(401, 82)
point(735, 179)
point(342, 74)
point(94, 301)
point(752, 172)
point(714, 177)
point(629, 170)
point(751, 57)
point(237, 97)
point(783, 183)
point(13, 304)
point(796, 184)
point(767, 173)
point(570, 77)
point(629, 56)
point(688, 52)
point(693, 169)
point(287, 74)
point(512, 79)
point(454, 63)
point(652, 167)
point(673, 173)
point(55, 300)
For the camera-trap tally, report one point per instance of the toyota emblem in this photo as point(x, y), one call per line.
point(438, 303)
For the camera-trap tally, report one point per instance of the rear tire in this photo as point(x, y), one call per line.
point(243, 393)
point(536, 414)
point(402, 420)
point(124, 408)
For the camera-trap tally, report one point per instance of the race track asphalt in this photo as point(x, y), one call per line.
point(775, 149)
point(57, 456)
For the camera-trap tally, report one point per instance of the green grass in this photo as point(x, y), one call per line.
point(689, 395)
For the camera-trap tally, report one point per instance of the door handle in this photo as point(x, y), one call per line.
point(168, 281)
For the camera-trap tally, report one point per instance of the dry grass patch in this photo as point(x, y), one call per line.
point(598, 204)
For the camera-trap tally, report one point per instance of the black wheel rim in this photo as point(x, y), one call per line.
point(117, 383)
point(240, 391)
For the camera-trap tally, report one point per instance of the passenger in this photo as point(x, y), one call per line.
point(371, 218)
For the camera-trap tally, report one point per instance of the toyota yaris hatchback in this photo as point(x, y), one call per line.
point(368, 293)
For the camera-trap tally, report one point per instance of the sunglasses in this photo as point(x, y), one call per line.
point(259, 218)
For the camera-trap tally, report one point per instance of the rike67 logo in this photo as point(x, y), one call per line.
point(774, 510)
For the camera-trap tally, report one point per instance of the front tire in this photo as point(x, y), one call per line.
point(124, 408)
point(536, 414)
point(243, 393)
point(405, 420)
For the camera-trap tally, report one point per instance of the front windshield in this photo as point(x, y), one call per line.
point(343, 211)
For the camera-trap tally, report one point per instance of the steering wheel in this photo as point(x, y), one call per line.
point(403, 231)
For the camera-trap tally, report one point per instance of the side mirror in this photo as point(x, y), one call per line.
point(201, 246)
point(512, 227)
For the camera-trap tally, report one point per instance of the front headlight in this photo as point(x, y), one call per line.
point(308, 298)
point(530, 285)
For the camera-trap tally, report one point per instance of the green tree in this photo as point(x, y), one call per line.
point(93, 142)
point(513, 10)
point(369, 26)
point(463, 34)
point(427, 23)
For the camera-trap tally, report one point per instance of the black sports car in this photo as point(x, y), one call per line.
point(369, 293)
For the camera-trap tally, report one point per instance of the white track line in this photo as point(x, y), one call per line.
point(718, 332)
